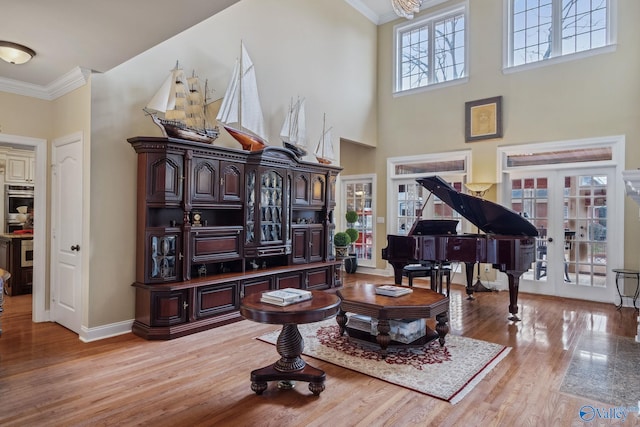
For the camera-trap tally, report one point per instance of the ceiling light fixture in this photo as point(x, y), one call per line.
point(15, 53)
point(406, 8)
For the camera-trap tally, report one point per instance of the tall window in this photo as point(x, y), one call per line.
point(544, 29)
point(431, 50)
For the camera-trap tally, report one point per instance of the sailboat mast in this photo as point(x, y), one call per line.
point(324, 120)
point(241, 72)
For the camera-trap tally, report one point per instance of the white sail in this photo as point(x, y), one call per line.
point(324, 149)
point(241, 103)
point(165, 98)
point(294, 129)
point(285, 132)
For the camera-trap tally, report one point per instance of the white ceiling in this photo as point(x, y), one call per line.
point(73, 35)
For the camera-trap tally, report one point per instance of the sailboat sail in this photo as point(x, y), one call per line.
point(178, 108)
point(240, 110)
point(324, 149)
point(294, 128)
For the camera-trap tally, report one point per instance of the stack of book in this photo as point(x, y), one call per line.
point(392, 291)
point(286, 296)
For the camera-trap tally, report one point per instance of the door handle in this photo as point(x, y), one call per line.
point(550, 239)
point(75, 248)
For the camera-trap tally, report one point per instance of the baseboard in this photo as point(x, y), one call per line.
point(105, 331)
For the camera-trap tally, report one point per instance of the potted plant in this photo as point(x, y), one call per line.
point(341, 241)
point(351, 263)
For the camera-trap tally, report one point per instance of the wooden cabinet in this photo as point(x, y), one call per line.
point(307, 243)
point(215, 224)
point(11, 260)
point(213, 181)
point(20, 167)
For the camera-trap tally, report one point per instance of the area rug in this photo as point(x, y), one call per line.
point(447, 373)
point(604, 368)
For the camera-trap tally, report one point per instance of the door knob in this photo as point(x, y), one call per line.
point(550, 239)
point(75, 248)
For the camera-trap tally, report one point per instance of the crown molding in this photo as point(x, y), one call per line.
point(364, 10)
point(74, 79)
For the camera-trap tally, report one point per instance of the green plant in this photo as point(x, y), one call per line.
point(341, 239)
point(353, 234)
point(351, 217)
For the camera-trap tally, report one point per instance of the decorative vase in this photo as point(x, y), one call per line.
point(351, 263)
point(342, 251)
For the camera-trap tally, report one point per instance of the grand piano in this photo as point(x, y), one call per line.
point(508, 243)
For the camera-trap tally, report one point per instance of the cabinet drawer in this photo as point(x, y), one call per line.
point(216, 245)
point(257, 285)
point(216, 299)
point(319, 279)
point(289, 280)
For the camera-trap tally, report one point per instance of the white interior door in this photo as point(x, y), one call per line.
point(571, 209)
point(66, 223)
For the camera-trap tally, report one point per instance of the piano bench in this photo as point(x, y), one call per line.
point(431, 271)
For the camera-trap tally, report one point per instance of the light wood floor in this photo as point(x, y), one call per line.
point(48, 377)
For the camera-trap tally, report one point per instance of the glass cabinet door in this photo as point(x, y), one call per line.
point(271, 204)
point(250, 208)
point(164, 256)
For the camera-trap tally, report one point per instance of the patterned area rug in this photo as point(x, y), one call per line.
point(447, 373)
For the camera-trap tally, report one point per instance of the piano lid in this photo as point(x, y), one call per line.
point(489, 217)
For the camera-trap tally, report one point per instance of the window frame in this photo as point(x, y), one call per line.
point(428, 21)
point(371, 179)
point(394, 178)
point(508, 67)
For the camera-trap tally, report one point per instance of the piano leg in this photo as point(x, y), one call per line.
point(397, 271)
point(514, 283)
point(468, 269)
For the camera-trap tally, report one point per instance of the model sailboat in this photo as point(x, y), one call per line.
point(324, 149)
point(179, 108)
point(294, 129)
point(240, 112)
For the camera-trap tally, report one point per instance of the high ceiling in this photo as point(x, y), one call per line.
point(99, 35)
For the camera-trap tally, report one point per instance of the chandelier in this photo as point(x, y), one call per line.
point(406, 8)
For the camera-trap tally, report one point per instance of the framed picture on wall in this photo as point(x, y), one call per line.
point(483, 119)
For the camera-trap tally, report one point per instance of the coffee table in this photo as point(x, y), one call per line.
point(420, 304)
point(290, 344)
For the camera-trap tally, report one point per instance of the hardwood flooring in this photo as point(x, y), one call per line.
point(48, 377)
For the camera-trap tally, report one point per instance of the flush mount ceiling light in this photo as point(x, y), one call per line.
point(406, 8)
point(15, 53)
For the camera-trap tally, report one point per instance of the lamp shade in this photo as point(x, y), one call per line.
point(478, 187)
point(15, 53)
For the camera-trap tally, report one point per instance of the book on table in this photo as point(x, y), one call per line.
point(392, 291)
point(286, 296)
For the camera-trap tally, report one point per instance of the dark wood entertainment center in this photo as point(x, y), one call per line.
point(216, 223)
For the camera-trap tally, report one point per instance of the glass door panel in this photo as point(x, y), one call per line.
point(359, 198)
point(569, 209)
point(585, 225)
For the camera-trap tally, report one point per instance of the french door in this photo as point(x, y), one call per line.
point(571, 210)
